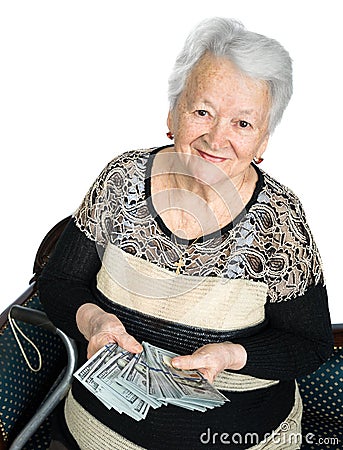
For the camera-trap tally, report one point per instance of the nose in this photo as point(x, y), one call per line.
point(219, 135)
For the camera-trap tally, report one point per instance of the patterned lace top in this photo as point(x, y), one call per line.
point(269, 243)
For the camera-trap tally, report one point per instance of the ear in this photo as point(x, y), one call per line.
point(262, 147)
point(170, 121)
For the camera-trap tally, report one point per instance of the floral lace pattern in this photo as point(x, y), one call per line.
point(270, 243)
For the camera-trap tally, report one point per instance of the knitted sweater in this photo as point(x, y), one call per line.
point(257, 282)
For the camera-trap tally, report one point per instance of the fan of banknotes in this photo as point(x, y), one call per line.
point(134, 383)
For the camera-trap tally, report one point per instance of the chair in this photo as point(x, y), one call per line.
point(26, 397)
point(22, 391)
point(322, 395)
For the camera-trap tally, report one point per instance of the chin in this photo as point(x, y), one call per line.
point(204, 172)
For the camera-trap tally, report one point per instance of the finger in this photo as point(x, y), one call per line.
point(124, 340)
point(188, 362)
point(208, 374)
point(128, 342)
point(195, 362)
point(96, 343)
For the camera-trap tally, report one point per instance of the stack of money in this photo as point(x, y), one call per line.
point(134, 383)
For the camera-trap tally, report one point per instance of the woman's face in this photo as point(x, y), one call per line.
point(220, 122)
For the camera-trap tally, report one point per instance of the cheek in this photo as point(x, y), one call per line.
point(246, 147)
point(186, 130)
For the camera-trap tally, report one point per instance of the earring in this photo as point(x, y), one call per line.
point(258, 160)
point(170, 135)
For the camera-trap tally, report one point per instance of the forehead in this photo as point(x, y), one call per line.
point(218, 79)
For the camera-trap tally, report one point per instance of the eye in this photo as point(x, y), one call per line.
point(201, 113)
point(244, 124)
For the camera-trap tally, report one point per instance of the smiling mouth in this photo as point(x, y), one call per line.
point(211, 158)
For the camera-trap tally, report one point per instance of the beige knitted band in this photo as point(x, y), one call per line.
point(236, 382)
point(206, 302)
point(90, 434)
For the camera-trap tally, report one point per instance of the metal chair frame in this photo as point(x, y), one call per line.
point(40, 319)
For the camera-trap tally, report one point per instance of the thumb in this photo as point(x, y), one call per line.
point(187, 362)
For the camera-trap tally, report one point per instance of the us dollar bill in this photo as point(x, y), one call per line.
point(134, 383)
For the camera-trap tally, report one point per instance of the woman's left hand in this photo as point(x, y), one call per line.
point(211, 359)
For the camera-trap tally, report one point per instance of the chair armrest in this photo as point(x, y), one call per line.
point(24, 297)
point(33, 317)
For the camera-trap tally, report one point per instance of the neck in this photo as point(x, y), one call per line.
point(226, 189)
point(190, 208)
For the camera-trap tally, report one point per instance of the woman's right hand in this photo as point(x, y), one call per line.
point(101, 328)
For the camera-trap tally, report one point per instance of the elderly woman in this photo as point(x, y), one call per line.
point(194, 249)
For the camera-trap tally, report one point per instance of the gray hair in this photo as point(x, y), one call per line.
point(255, 55)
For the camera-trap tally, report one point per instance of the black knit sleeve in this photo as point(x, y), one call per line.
point(296, 341)
point(65, 283)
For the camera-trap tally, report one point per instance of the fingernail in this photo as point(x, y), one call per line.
point(176, 363)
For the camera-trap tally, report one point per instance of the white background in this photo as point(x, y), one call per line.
point(82, 81)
